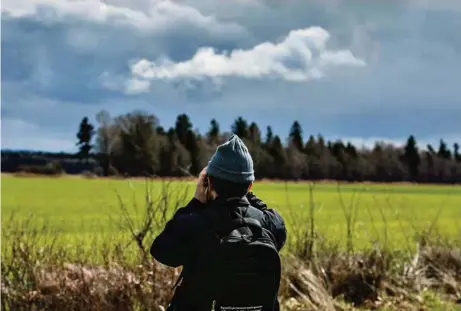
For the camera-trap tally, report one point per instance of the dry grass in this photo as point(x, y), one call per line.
point(317, 275)
point(45, 279)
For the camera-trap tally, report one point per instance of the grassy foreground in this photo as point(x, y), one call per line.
point(371, 245)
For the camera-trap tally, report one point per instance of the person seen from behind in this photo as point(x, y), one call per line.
point(226, 239)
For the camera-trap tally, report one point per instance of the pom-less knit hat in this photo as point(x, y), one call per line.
point(232, 162)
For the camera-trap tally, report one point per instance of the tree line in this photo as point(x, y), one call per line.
point(135, 144)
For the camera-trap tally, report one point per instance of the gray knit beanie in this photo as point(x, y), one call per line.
point(232, 162)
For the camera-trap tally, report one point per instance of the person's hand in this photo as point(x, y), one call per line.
point(201, 191)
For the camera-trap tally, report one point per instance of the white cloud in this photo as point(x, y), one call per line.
point(301, 56)
point(135, 86)
point(158, 16)
point(120, 84)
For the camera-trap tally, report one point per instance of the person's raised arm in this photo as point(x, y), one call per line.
point(274, 220)
point(177, 241)
point(181, 235)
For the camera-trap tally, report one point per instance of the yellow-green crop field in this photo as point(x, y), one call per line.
point(83, 209)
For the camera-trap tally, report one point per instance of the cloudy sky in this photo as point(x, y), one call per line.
point(359, 70)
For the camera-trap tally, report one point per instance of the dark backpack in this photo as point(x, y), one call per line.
point(238, 271)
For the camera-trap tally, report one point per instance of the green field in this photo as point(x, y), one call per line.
point(84, 208)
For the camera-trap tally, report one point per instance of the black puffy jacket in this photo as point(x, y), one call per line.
point(188, 230)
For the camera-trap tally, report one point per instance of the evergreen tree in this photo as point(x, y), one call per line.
point(213, 132)
point(193, 147)
point(320, 141)
point(85, 136)
point(277, 152)
point(456, 154)
point(351, 150)
point(269, 135)
point(412, 158)
point(182, 126)
point(338, 151)
point(254, 133)
point(310, 147)
point(296, 136)
point(240, 128)
point(443, 152)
